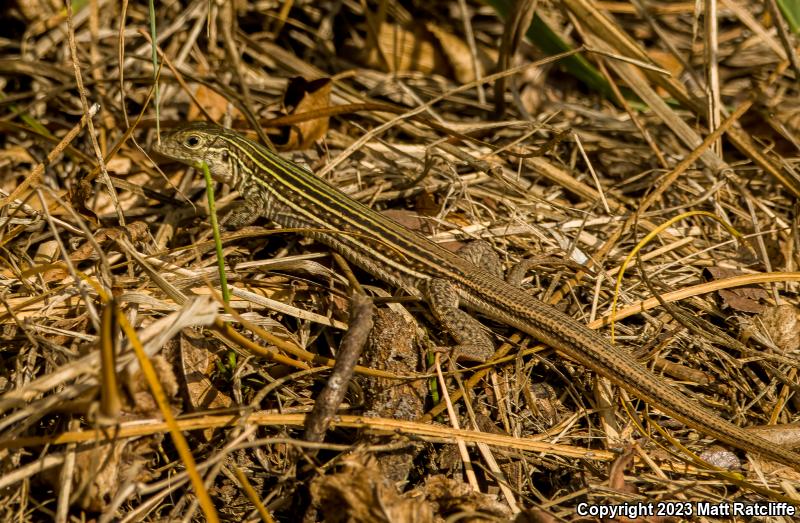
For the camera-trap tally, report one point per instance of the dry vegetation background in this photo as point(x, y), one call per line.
point(444, 115)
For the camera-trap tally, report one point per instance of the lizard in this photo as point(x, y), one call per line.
point(292, 196)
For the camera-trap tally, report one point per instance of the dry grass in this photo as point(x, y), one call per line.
point(98, 240)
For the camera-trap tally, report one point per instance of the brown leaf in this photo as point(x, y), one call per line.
point(81, 194)
point(616, 475)
point(453, 496)
point(739, 301)
point(781, 325)
point(459, 54)
point(429, 49)
point(139, 390)
point(742, 299)
point(307, 97)
point(406, 49)
point(96, 474)
point(15, 154)
point(426, 205)
point(198, 362)
point(101, 470)
point(617, 481)
point(359, 493)
point(214, 103)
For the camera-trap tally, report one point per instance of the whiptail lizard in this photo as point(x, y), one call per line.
point(293, 197)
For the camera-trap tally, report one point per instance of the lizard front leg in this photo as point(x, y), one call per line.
point(243, 213)
point(255, 205)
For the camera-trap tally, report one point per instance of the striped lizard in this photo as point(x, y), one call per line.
point(291, 196)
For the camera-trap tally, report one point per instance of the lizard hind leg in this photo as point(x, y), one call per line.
point(472, 341)
point(482, 254)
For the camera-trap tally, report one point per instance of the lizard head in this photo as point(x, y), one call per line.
point(201, 142)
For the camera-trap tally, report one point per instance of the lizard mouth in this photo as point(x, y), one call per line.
point(164, 150)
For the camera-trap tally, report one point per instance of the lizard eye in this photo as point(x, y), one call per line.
point(192, 141)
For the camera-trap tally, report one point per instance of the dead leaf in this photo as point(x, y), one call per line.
point(452, 496)
point(198, 361)
point(307, 96)
point(101, 470)
point(139, 390)
point(80, 195)
point(739, 301)
point(780, 325)
point(359, 493)
point(742, 299)
point(616, 474)
point(119, 165)
point(15, 154)
point(426, 205)
point(459, 55)
point(617, 481)
point(214, 103)
point(406, 49)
